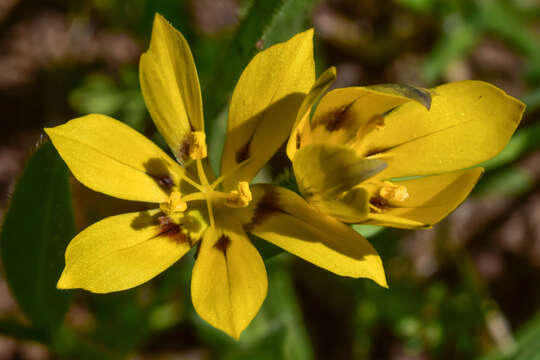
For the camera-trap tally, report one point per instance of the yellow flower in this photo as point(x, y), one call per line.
point(394, 155)
point(193, 208)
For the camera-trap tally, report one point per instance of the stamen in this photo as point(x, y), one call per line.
point(202, 175)
point(220, 179)
point(393, 192)
point(192, 182)
point(197, 145)
point(210, 212)
point(174, 204)
point(239, 198)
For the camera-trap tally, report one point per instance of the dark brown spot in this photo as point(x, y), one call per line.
point(337, 120)
point(174, 231)
point(243, 153)
point(298, 140)
point(379, 203)
point(223, 243)
point(268, 205)
point(164, 181)
point(158, 170)
point(183, 151)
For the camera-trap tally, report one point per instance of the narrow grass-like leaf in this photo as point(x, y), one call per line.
point(501, 19)
point(526, 346)
point(290, 20)
point(455, 43)
point(239, 52)
point(37, 227)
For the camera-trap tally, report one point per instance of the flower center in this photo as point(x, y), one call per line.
point(174, 204)
point(177, 203)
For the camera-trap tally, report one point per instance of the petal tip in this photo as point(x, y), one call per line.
point(159, 19)
point(64, 283)
point(379, 275)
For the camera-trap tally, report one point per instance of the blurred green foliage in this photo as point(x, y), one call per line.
point(309, 314)
point(35, 233)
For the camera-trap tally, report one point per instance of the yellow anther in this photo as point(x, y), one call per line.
point(393, 192)
point(197, 145)
point(174, 204)
point(240, 197)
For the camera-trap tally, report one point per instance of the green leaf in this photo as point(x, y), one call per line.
point(37, 228)
point(290, 20)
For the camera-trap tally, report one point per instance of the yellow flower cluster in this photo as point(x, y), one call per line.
point(386, 155)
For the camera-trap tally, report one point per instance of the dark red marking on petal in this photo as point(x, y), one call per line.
point(157, 169)
point(298, 140)
point(174, 231)
point(267, 205)
point(223, 243)
point(337, 120)
point(379, 203)
point(183, 151)
point(164, 181)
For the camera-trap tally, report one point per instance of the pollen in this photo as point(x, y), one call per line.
point(393, 192)
point(240, 197)
point(197, 145)
point(175, 204)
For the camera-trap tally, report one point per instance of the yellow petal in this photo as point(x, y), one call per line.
point(286, 220)
point(430, 199)
point(345, 115)
point(265, 103)
point(170, 86)
point(110, 157)
point(469, 122)
point(229, 282)
point(121, 252)
point(327, 169)
point(302, 126)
